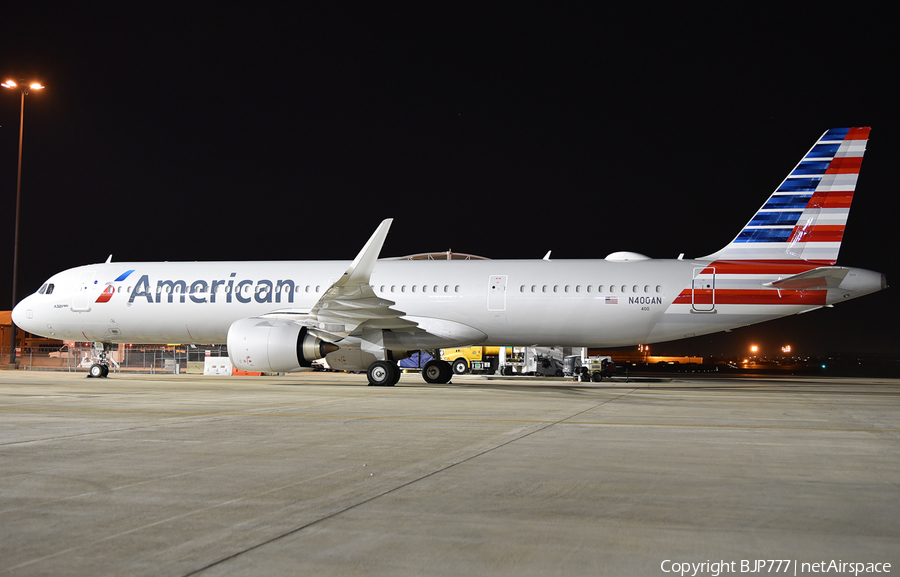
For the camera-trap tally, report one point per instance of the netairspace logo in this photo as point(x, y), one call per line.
point(774, 566)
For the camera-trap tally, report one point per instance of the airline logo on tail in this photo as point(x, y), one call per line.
point(804, 218)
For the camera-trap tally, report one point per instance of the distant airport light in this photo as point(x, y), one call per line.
point(754, 348)
point(23, 87)
point(786, 349)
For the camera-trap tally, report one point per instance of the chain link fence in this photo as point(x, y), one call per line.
point(122, 358)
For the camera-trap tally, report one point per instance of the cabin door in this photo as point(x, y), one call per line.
point(703, 290)
point(83, 291)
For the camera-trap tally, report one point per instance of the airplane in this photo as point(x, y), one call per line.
point(280, 316)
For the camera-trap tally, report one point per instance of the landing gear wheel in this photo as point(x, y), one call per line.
point(397, 372)
point(437, 372)
point(97, 371)
point(460, 367)
point(383, 374)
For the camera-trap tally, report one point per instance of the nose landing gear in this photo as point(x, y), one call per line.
point(100, 369)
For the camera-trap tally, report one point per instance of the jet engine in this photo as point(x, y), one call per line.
point(273, 345)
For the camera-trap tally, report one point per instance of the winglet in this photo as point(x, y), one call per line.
point(361, 268)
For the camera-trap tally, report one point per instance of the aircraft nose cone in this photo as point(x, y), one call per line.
point(22, 315)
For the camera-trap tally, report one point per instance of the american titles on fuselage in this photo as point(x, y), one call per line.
point(283, 290)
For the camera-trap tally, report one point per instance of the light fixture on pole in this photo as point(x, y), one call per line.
point(24, 88)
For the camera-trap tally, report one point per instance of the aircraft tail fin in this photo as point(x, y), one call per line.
point(804, 218)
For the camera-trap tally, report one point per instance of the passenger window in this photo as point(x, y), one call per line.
point(624, 289)
point(600, 289)
point(612, 288)
point(578, 288)
point(646, 288)
point(634, 288)
point(659, 288)
point(590, 288)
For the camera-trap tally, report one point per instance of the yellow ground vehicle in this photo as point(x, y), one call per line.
point(472, 359)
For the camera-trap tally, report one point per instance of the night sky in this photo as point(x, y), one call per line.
point(280, 133)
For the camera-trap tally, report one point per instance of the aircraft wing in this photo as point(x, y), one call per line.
point(819, 278)
point(350, 306)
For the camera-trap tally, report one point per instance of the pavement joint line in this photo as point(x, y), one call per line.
point(547, 425)
point(166, 520)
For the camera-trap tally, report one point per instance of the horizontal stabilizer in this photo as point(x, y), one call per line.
point(819, 278)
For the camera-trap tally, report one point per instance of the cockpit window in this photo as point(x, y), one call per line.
point(42, 289)
point(49, 289)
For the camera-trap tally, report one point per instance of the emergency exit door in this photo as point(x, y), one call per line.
point(497, 293)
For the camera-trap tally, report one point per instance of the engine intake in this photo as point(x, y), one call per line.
point(273, 345)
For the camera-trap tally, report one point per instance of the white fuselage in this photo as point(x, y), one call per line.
point(564, 302)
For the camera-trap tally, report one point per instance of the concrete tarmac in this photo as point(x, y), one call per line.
point(318, 474)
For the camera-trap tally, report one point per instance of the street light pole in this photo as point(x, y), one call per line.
point(23, 88)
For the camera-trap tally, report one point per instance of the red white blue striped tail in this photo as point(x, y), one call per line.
point(804, 219)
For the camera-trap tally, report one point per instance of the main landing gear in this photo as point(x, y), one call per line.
point(387, 373)
point(437, 372)
point(383, 374)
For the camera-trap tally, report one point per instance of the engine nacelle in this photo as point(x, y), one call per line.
point(273, 345)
